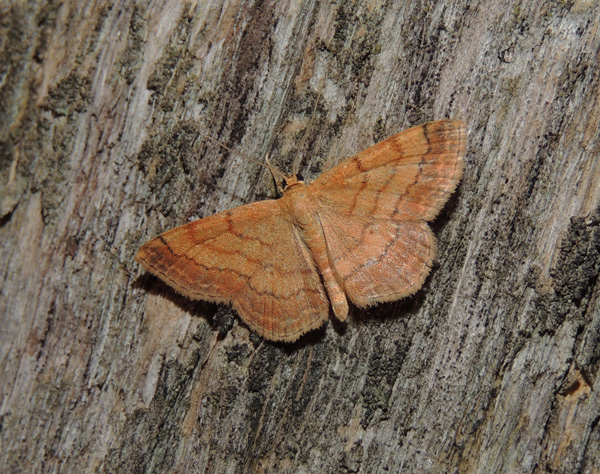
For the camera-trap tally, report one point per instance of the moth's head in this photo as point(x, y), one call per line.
point(293, 180)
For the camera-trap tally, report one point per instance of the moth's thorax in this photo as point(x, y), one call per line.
point(300, 201)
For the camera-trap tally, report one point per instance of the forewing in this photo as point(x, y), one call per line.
point(377, 259)
point(251, 257)
point(408, 176)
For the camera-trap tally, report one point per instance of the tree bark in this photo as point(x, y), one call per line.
point(492, 367)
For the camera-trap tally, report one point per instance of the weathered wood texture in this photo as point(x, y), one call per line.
point(493, 367)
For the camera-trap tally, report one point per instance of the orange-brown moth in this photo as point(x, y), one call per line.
point(358, 232)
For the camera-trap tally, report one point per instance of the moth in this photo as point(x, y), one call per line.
point(359, 233)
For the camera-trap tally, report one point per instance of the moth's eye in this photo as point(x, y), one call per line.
point(284, 184)
point(300, 177)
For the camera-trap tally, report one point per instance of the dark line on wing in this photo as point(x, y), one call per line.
point(359, 165)
point(364, 181)
point(381, 190)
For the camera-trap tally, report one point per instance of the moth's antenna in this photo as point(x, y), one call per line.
point(278, 186)
point(246, 157)
point(312, 116)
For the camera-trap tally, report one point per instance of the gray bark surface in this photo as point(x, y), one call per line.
point(494, 366)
